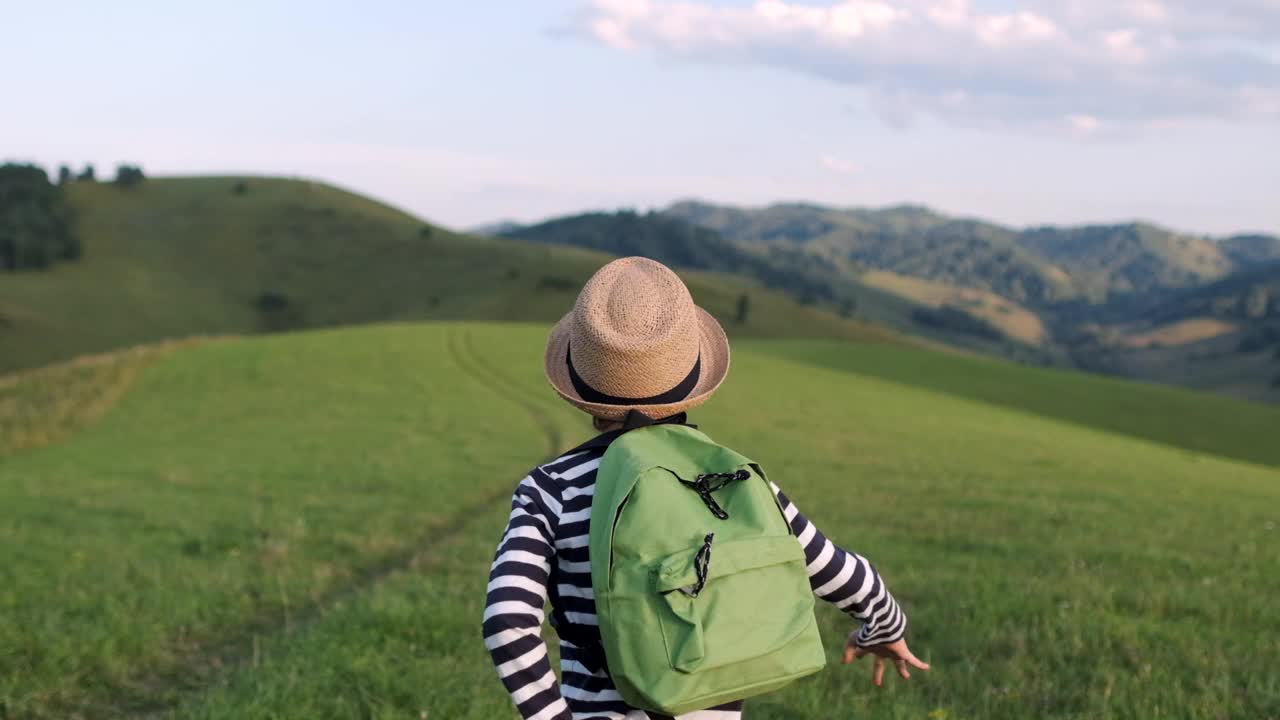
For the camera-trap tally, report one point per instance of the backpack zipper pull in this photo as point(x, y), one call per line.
point(707, 483)
point(701, 566)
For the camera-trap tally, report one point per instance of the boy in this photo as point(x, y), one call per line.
point(634, 351)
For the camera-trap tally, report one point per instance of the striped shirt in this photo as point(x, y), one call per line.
point(543, 556)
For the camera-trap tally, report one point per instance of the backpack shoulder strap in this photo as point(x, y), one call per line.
point(635, 419)
point(591, 652)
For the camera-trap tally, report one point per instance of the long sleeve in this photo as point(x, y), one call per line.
point(516, 597)
point(846, 580)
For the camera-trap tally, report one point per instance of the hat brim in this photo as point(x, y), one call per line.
point(714, 348)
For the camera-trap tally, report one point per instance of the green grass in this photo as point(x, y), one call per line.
point(300, 526)
point(186, 256)
point(1195, 421)
point(236, 482)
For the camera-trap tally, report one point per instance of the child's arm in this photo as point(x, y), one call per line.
point(847, 581)
point(517, 592)
point(851, 584)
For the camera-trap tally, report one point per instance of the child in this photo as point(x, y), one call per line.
point(634, 351)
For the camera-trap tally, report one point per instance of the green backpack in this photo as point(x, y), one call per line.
point(701, 590)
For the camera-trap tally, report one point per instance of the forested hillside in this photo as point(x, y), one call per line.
point(1132, 299)
point(35, 221)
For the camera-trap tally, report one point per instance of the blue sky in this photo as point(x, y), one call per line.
point(465, 112)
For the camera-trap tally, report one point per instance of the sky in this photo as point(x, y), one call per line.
point(1027, 113)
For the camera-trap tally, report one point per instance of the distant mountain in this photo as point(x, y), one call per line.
point(1105, 261)
point(685, 245)
point(1038, 266)
point(500, 227)
point(1249, 295)
point(1251, 249)
point(907, 240)
point(1114, 298)
point(631, 233)
point(974, 320)
point(1223, 336)
point(803, 222)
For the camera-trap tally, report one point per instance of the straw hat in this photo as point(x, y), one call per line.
point(635, 341)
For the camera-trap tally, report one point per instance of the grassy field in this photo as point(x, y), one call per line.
point(1196, 422)
point(176, 257)
point(299, 526)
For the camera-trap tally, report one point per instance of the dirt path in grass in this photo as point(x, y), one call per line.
point(157, 690)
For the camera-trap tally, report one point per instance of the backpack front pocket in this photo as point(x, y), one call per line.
point(731, 601)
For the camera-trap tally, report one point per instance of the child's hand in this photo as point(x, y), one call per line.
point(898, 652)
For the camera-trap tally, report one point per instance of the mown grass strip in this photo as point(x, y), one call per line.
point(40, 407)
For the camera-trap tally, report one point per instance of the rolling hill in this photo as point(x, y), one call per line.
point(1130, 299)
point(809, 278)
point(684, 245)
point(1221, 336)
point(173, 258)
point(177, 257)
point(1245, 250)
point(906, 240)
point(300, 525)
point(1252, 294)
point(1109, 261)
point(1038, 266)
point(1134, 299)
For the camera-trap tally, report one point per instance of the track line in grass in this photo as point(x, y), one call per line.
point(157, 691)
point(240, 646)
point(513, 392)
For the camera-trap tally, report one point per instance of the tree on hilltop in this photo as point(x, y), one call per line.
point(129, 175)
point(35, 223)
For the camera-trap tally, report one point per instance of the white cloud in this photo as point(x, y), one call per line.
point(1123, 64)
point(1004, 30)
point(837, 165)
point(1149, 10)
point(1125, 46)
point(1083, 124)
